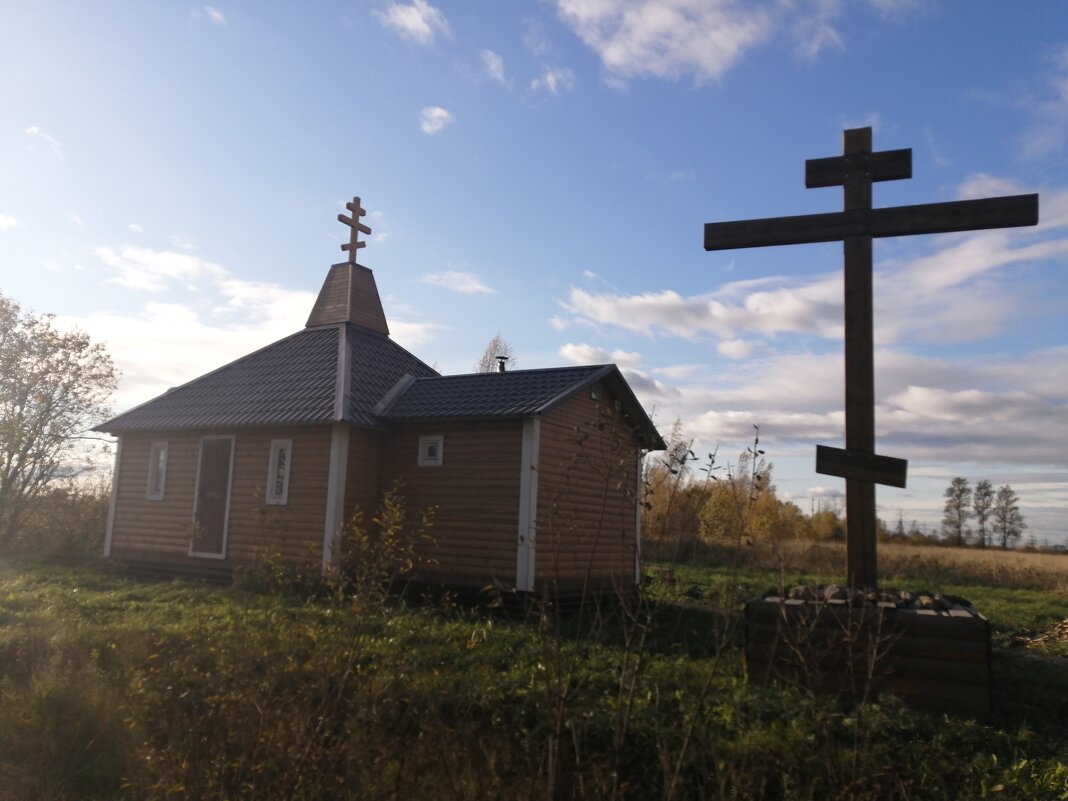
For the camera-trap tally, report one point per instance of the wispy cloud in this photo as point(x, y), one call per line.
point(419, 22)
point(493, 63)
point(467, 283)
point(434, 119)
point(973, 269)
point(75, 219)
point(667, 38)
point(216, 16)
point(582, 353)
point(1049, 129)
point(554, 80)
point(135, 228)
point(157, 271)
point(53, 143)
point(7, 221)
point(814, 31)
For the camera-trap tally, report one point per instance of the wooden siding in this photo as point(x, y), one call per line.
point(363, 490)
point(475, 490)
point(587, 481)
point(147, 530)
point(349, 294)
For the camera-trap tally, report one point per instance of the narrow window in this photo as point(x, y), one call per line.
point(431, 450)
point(157, 471)
point(278, 472)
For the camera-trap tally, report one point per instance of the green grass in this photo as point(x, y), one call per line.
point(116, 688)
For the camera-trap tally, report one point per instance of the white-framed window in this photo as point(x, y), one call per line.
point(278, 472)
point(157, 471)
point(431, 450)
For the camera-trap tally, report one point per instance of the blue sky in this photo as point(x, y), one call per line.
point(172, 174)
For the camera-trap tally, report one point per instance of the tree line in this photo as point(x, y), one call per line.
point(693, 499)
point(996, 514)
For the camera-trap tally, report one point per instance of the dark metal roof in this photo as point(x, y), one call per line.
point(377, 363)
point(295, 381)
point(292, 381)
point(516, 393)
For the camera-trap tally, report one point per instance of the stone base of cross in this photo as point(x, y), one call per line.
point(856, 225)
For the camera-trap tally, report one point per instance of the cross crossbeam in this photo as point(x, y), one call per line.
point(356, 228)
point(924, 218)
point(856, 225)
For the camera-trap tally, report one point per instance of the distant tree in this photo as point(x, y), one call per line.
point(827, 524)
point(54, 386)
point(498, 346)
point(1008, 521)
point(743, 503)
point(956, 512)
point(982, 501)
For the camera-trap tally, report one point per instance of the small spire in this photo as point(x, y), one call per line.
point(356, 228)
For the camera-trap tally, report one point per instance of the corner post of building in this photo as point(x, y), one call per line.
point(335, 495)
point(526, 547)
point(112, 500)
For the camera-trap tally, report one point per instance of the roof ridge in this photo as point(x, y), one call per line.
point(521, 371)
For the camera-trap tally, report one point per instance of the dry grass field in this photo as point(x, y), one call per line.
point(931, 565)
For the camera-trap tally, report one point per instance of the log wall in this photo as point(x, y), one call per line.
point(587, 505)
point(363, 486)
point(475, 490)
point(159, 531)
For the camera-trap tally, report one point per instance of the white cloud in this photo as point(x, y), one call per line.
point(410, 335)
point(74, 218)
point(167, 344)
point(973, 270)
point(734, 348)
point(156, 271)
point(493, 63)
point(813, 308)
point(216, 16)
point(467, 283)
point(183, 242)
point(7, 221)
point(554, 80)
point(677, 372)
point(420, 21)
point(581, 353)
point(667, 38)
point(433, 119)
point(50, 140)
point(135, 228)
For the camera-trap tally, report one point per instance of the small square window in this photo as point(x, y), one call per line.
point(278, 472)
point(157, 471)
point(431, 451)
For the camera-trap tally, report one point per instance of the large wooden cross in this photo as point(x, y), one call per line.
point(855, 171)
point(356, 228)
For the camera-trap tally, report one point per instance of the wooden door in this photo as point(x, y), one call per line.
point(213, 497)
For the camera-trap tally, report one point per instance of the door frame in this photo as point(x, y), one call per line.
point(229, 493)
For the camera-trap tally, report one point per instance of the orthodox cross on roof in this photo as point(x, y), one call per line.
point(356, 228)
point(855, 171)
